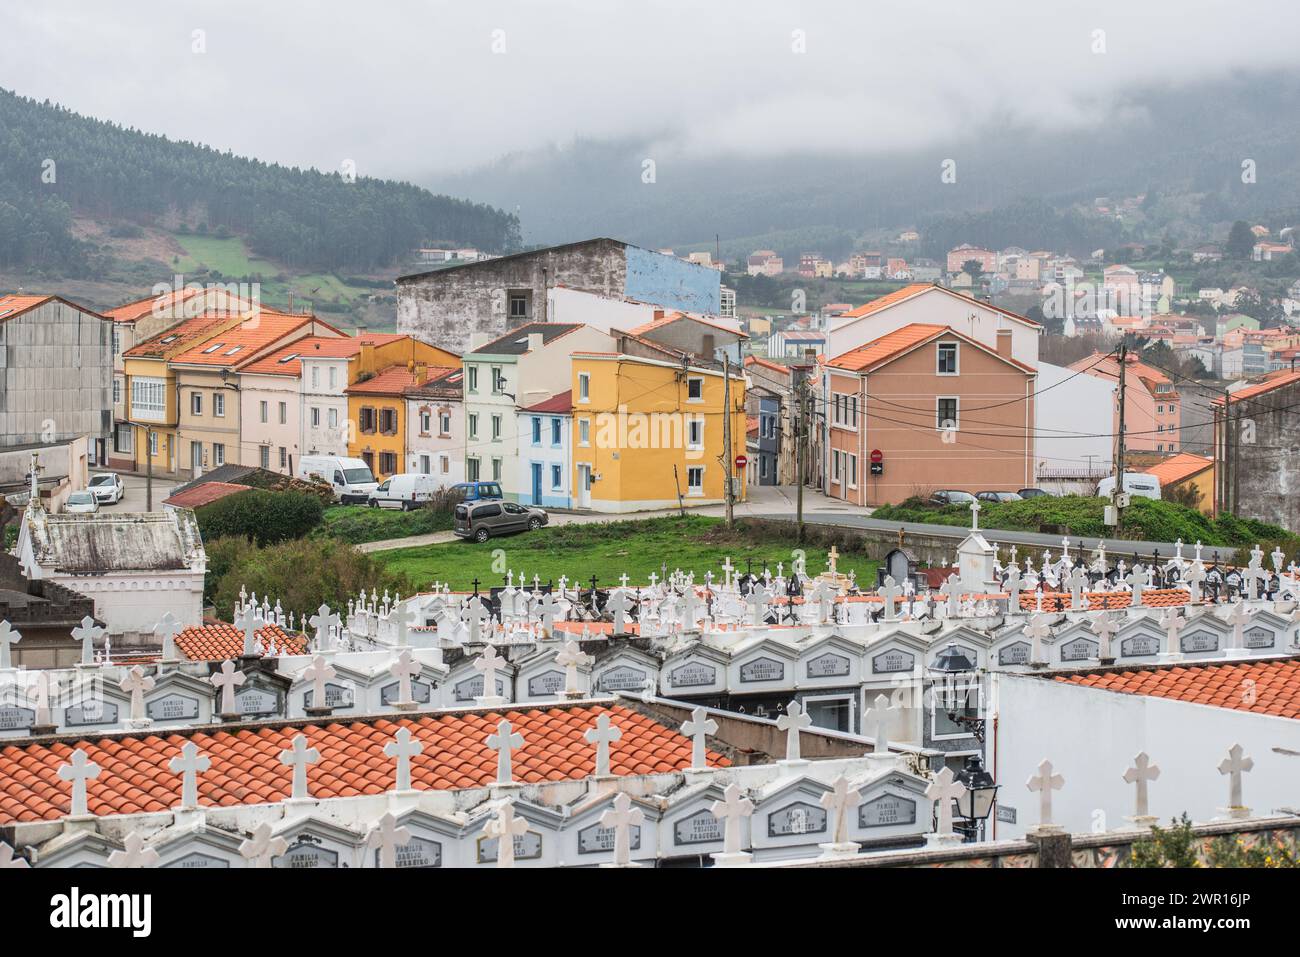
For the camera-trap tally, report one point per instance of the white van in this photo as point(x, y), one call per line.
point(351, 478)
point(406, 490)
point(1135, 483)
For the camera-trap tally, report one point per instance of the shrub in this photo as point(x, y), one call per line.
point(1167, 847)
point(263, 517)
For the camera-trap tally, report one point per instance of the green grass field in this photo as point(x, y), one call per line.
point(608, 549)
point(229, 256)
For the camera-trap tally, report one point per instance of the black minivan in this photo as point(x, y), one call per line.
point(479, 521)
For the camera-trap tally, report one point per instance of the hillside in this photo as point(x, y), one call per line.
point(85, 199)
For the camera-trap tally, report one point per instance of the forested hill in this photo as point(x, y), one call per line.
point(56, 165)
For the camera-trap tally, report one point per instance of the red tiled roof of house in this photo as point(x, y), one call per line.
point(316, 347)
point(11, 307)
point(1104, 600)
point(220, 640)
point(560, 402)
point(917, 288)
point(395, 380)
point(874, 353)
point(204, 494)
point(667, 319)
point(1178, 467)
point(237, 345)
point(178, 336)
point(767, 364)
point(134, 775)
point(1274, 380)
point(139, 308)
point(1274, 685)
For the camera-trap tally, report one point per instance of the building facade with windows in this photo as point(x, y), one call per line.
point(944, 410)
point(435, 426)
point(545, 454)
point(1152, 405)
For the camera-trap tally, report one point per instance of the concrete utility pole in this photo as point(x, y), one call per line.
point(799, 427)
point(1119, 443)
point(727, 456)
point(148, 469)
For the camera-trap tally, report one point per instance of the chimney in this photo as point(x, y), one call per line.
point(477, 339)
point(659, 314)
point(535, 341)
point(1004, 343)
point(707, 347)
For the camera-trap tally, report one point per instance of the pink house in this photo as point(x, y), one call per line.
point(1153, 408)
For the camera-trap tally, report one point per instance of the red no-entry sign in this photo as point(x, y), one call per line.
point(741, 461)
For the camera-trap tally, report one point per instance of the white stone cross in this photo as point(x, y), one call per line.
point(227, 679)
point(1139, 579)
point(602, 736)
point(1234, 765)
point(943, 790)
point(487, 664)
point(1044, 783)
point(1078, 581)
point(1141, 773)
point(477, 615)
point(299, 756)
point(757, 602)
point(732, 811)
point(792, 723)
point(45, 686)
point(571, 657)
point(620, 604)
point(261, 847)
point(1038, 628)
point(189, 764)
point(1194, 575)
point(1104, 628)
point(79, 770)
point(951, 590)
point(975, 515)
point(505, 827)
point(696, 728)
point(1172, 622)
point(86, 633)
point(832, 560)
point(404, 669)
point(167, 629)
point(403, 616)
point(133, 853)
point(249, 620)
point(727, 569)
point(402, 748)
point(622, 817)
point(839, 802)
point(503, 743)
point(318, 672)
point(547, 607)
point(323, 621)
point(136, 683)
point(8, 637)
point(387, 837)
point(1279, 557)
point(1238, 617)
point(1013, 587)
point(890, 592)
point(878, 718)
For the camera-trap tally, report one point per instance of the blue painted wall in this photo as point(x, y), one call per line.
point(674, 283)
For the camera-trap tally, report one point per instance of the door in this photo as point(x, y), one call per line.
point(537, 483)
point(584, 485)
point(196, 458)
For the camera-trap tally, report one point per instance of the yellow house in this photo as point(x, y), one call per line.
point(150, 401)
point(648, 431)
point(377, 400)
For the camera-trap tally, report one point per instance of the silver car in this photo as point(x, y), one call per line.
point(479, 521)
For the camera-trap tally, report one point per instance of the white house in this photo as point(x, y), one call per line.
point(1067, 405)
point(136, 566)
point(435, 426)
point(545, 460)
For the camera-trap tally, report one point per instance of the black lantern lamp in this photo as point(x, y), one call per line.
point(956, 689)
point(980, 798)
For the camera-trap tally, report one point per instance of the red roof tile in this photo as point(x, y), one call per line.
point(1176, 468)
point(1264, 687)
point(395, 380)
point(1102, 600)
point(201, 495)
point(560, 402)
point(1274, 380)
point(134, 776)
point(315, 347)
point(217, 642)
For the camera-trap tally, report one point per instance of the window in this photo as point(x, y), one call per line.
point(117, 391)
point(471, 469)
point(219, 404)
point(557, 477)
point(388, 421)
point(844, 410)
point(695, 433)
point(333, 373)
point(695, 480)
point(695, 389)
point(333, 418)
point(366, 420)
point(584, 431)
point(218, 454)
point(426, 421)
point(837, 466)
point(556, 431)
point(265, 453)
point(584, 386)
point(518, 305)
point(444, 423)
point(315, 417)
point(444, 463)
point(387, 462)
point(852, 461)
point(472, 381)
point(284, 413)
point(498, 381)
point(148, 398)
point(117, 342)
point(153, 443)
point(496, 428)
point(762, 466)
point(425, 466)
point(947, 358)
point(473, 425)
point(946, 419)
point(315, 377)
point(537, 430)
point(262, 410)
point(284, 457)
point(496, 470)
point(124, 438)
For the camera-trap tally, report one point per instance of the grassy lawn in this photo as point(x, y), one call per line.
point(229, 256)
point(355, 524)
point(609, 549)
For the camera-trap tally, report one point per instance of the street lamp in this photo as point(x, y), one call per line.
point(980, 797)
point(955, 685)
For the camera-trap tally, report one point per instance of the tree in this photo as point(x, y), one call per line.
point(973, 268)
point(263, 517)
point(1241, 241)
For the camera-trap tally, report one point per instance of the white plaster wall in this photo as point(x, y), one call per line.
point(1082, 405)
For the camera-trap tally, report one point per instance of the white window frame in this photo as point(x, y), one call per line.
point(697, 490)
point(692, 423)
point(584, 386)
point(218, 453)
point(148, 398)
point(938, 358)
point(584, 433)
point(219, 404)
point(956, 419)
point(692, 381)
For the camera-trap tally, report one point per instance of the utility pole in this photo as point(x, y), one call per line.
point(726, 436)
point(1119, 444)
point(799, 427)
point(148, 469)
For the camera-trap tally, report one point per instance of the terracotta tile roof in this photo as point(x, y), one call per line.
point(246, 769)
point(178, 337)
point(1179, 467)
point(395, 380)
point(139, 308)
point(667, 319)
point(774, 366)
point(200, 495)
point(1274, 380)
point(560, 402)
point(11, 307)
point(917, 288)
point(443, 383)
point(879, 351)
point(315, 347)
point(235, 346)
point(1274, 685)
point(593, 627)
point(219, 641)
point(1102, 600)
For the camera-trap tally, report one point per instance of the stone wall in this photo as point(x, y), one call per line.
point(1265, 466)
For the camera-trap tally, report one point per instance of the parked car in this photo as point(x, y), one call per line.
point(998, 496)
point(480, 520)
point(1035, 493)
point(351, 479)
point(405, 491)
point(951, 496)
point(478, 491)
point(1135, 483)
point(82, 502)
point(107, 487)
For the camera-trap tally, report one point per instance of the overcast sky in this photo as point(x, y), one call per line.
point(404, 87)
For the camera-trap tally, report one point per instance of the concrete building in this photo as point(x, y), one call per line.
point(56, 374)
point(774, 380)
point(545, 454)
point(448, 306)
point(435, 426)
point(1068, 406)
point(1152, 404)
point(1255, 460)
point(44, 613)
